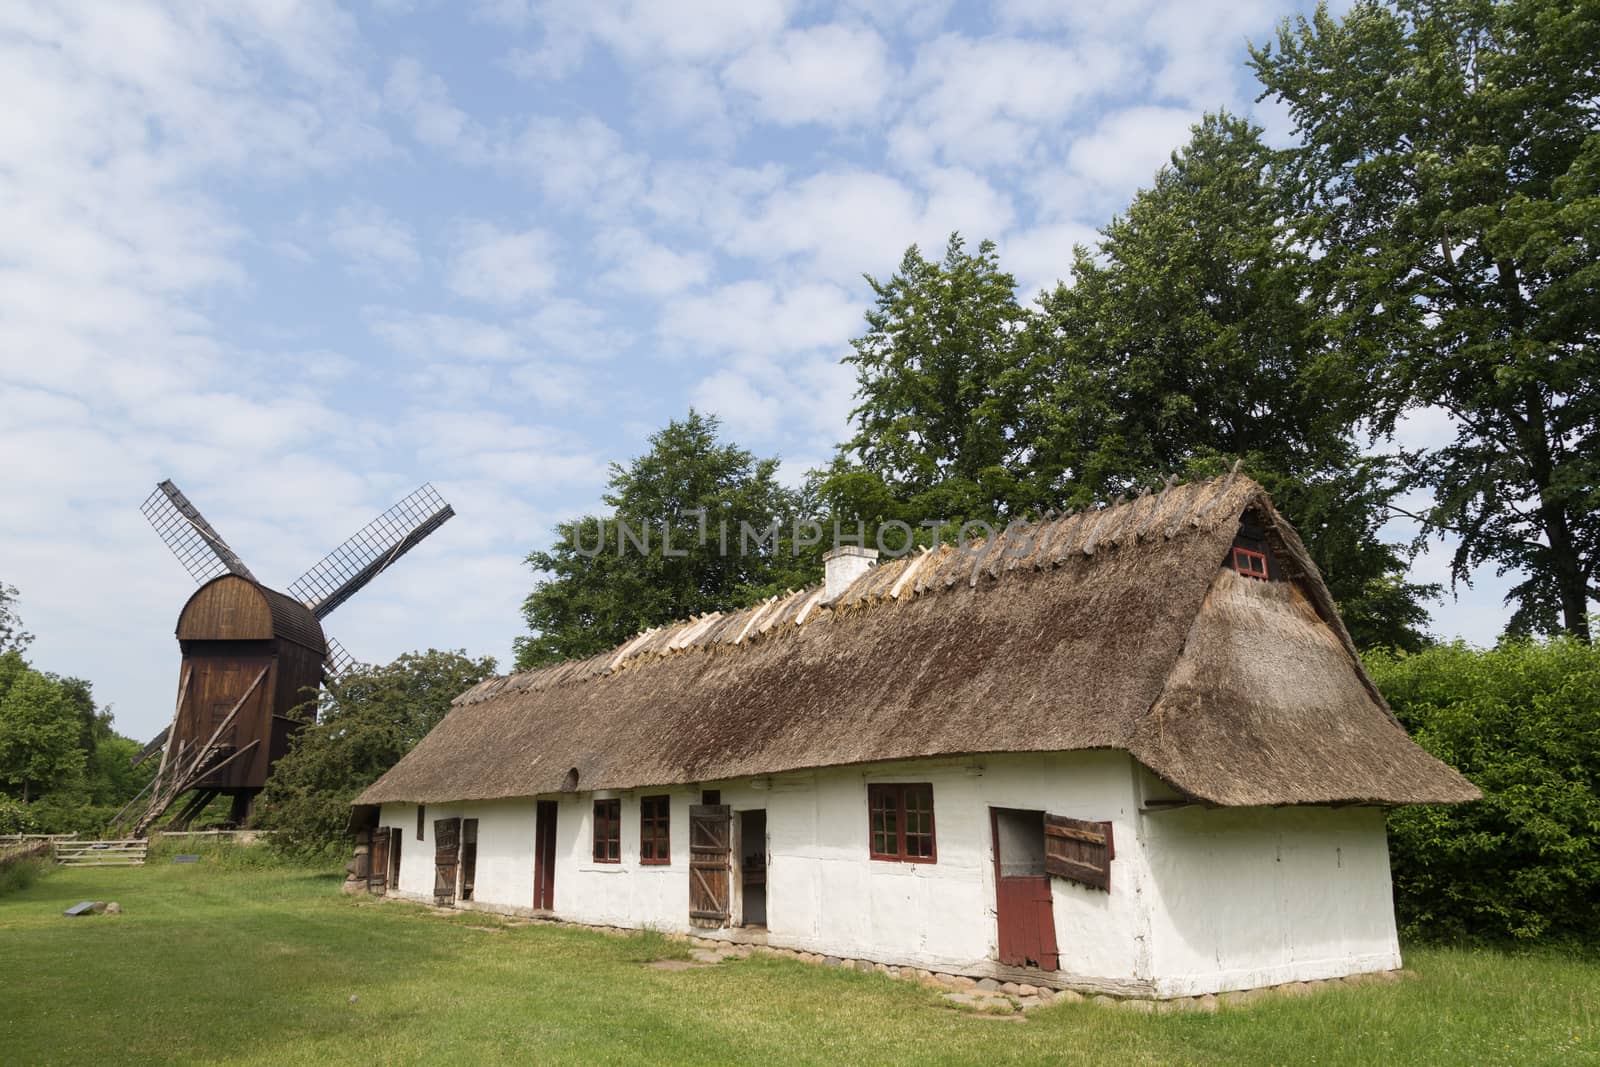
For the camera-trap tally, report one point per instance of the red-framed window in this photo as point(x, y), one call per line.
point(608, 831)
point(655, 830)
point(1250, 563)
point(900, 822)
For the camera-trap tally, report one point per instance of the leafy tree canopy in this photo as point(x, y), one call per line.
point(1448, 176)
point(687, 534)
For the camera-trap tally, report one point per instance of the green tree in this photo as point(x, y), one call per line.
point(1449, 180)
point(609, 577)
point(39, 731)
point(936, 389)
point(13, 638)
point(1185, 342)
point(367, 720)
point(1522, 721)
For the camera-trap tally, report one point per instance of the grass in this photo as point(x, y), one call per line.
point(224, 962)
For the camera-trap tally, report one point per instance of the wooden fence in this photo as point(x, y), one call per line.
point(128, 852)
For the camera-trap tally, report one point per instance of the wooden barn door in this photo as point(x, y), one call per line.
point(446, 856)
point(544, 857)
point(1024, 911)
point(709, 851)
point(378, 860)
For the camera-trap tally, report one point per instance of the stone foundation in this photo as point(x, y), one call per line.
point(991, 993)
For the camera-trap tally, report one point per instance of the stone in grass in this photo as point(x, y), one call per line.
point(989, 985)
point(113, 908)
point(705, 955)
point(186, 857)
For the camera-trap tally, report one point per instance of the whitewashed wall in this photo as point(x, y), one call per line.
point(1251, 897)
point(1200, 901)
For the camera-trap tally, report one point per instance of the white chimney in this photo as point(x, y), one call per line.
point(842, 566)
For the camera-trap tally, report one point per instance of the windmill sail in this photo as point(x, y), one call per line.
point(371, 551)
point(201, 550)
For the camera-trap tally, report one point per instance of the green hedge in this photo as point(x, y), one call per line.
point(1522, 721)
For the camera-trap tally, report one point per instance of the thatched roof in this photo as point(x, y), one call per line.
point(1116, 628)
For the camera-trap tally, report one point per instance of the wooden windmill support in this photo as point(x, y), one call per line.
point(185, 776)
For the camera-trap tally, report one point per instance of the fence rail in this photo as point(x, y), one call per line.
point(128, 852)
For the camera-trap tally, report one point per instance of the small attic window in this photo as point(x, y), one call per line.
point(1250, 563)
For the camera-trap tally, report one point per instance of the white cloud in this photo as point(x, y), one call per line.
point(826, 74)
point(755, 318)
point(1127, 147)
point(640, 264)
point(502, 267)
point(373, 244)
point(996, 101)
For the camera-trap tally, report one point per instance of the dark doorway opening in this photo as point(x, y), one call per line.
point(753, 867)
point(395, 837)
point(469, 857)
point(544, 857)
point(1023, 908)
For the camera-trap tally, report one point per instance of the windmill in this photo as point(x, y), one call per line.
point(252, 655)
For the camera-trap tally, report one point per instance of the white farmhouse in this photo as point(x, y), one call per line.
point(1131, 750)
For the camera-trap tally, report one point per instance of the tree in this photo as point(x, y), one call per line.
point(1449, 180)
point(935, 419)
point(13, 638)
point(369, 718)
point(686, 536)
point(39, 730)
point(1186, 342)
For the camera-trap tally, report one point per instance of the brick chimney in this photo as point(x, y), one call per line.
point(842, 566)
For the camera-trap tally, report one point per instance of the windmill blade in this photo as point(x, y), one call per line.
point(371, 551)
point(201, 550)
point(338, 660)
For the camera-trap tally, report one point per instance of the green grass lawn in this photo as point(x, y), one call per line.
point(212, 963)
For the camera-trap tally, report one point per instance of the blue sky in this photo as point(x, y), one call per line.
point(301, 257)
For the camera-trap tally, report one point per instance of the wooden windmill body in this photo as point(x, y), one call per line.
point(254, 658)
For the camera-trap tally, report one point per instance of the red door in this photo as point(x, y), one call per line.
point(544, 857)
point(1023, 909)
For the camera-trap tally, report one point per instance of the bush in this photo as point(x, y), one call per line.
point(1522, 721)
point(23, 865)
point(16, 817)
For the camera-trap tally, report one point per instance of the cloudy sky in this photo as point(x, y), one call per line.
point(302, 257)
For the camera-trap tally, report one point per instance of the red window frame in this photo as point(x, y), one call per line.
point(608, 831)
point(900, 822)
point(655, 830)
point(1250, 563)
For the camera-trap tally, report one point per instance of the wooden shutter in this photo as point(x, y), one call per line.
point(709, 847)
point(1079, 851)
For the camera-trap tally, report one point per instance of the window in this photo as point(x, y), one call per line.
point(655, 830)
point(711, 796)
point(900, 818)
point(608, 831)
point(1250, 563)
point(422, 811)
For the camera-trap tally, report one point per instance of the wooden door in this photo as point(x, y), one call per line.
point(709, 851)
point(544, 857)
point(378, 860)
point(446, 856)
point(1024, 911)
